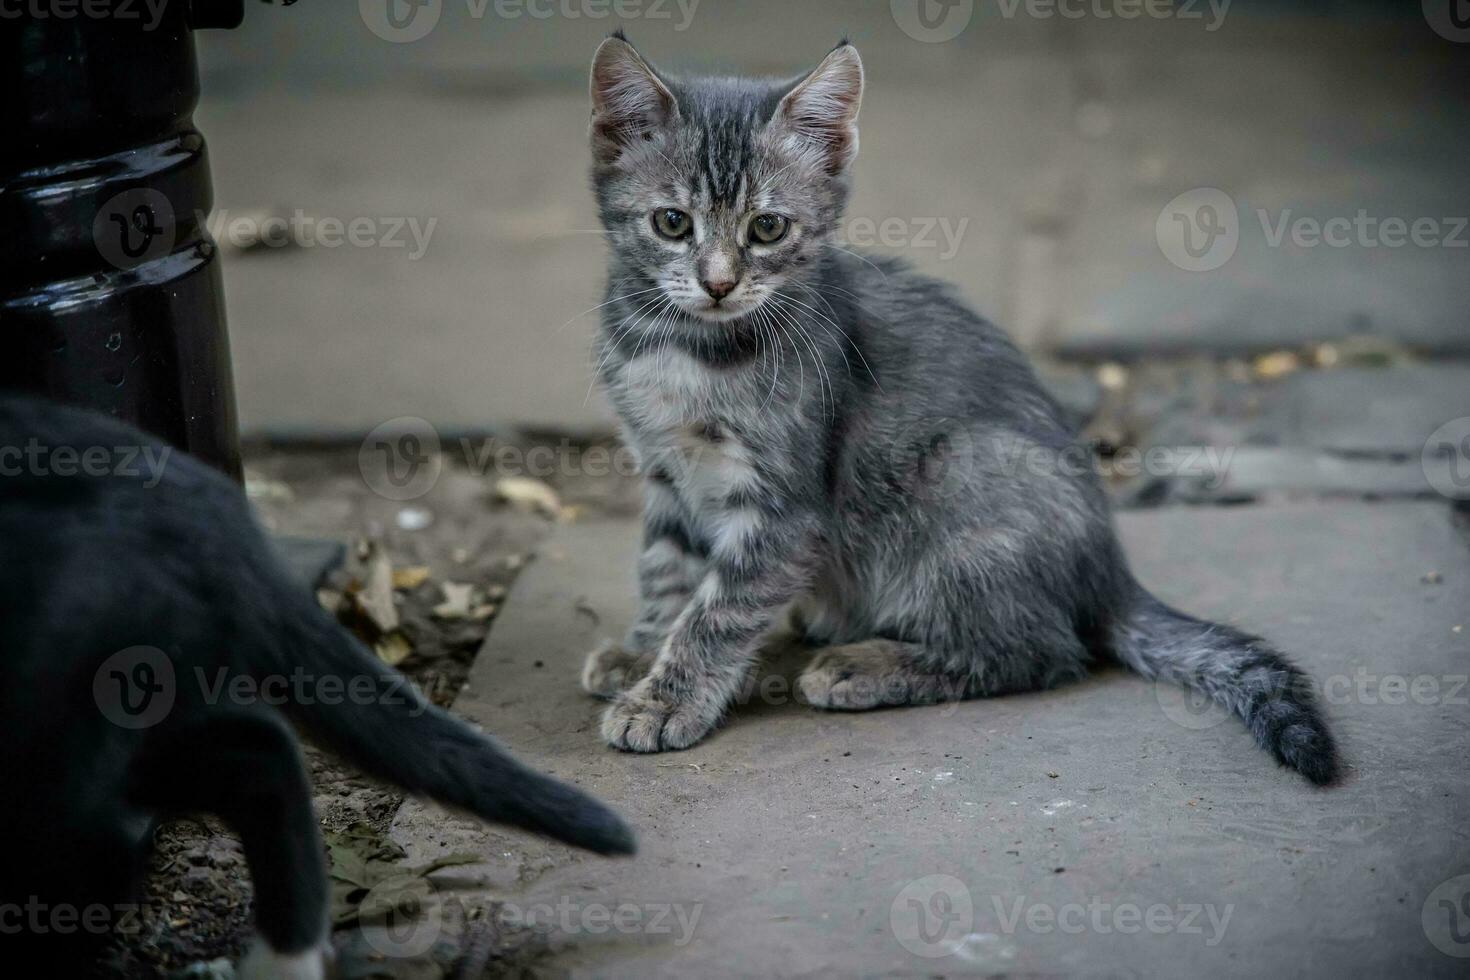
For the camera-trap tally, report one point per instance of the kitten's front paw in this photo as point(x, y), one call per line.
point(644, 719)
point(610, 670)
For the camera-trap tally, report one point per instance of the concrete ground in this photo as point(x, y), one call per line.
point(1105, 829)
point(1031, 159)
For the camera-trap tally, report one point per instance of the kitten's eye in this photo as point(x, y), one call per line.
point(672, 223)
point(768, 229)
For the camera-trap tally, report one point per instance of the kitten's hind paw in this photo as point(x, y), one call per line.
point(873, 674)
point(643, 719)
point(610, 670)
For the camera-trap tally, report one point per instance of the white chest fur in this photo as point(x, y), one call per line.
point(682, 418)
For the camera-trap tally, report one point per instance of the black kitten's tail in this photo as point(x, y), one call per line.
point(390, 731)
point(1236, 670)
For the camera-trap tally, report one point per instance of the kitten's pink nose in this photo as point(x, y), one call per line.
point(718, 288)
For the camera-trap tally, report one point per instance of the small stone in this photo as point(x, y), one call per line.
point(1431, 578)
point(1052, 775)
point(414, 518)
point(1112, 376)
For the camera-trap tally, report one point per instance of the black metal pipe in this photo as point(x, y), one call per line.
point(110, 288)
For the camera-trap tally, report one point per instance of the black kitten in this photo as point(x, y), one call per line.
point(147, 630)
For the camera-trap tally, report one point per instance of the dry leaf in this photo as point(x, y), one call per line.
point(458, 599)
point(411, 577)
point(1277, 364)
point(529, 494)
point(375, 598)
point(393, 649)
point(483, 611)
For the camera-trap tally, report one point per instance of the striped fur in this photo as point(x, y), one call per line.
point(843, 435)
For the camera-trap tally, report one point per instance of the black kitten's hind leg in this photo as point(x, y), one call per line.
point(245, 768)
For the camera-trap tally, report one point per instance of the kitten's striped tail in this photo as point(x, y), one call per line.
point(1243, 673)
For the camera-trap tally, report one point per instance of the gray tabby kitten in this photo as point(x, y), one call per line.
point(843, 436)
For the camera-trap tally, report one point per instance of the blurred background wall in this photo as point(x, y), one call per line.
point(1104, 186)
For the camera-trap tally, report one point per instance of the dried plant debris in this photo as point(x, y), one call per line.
point(535, 496)
point(374, 596)
point(363, 861)
point(410, 578)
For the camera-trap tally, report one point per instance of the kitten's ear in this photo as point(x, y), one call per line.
point(822, 109)
point(629, 103)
